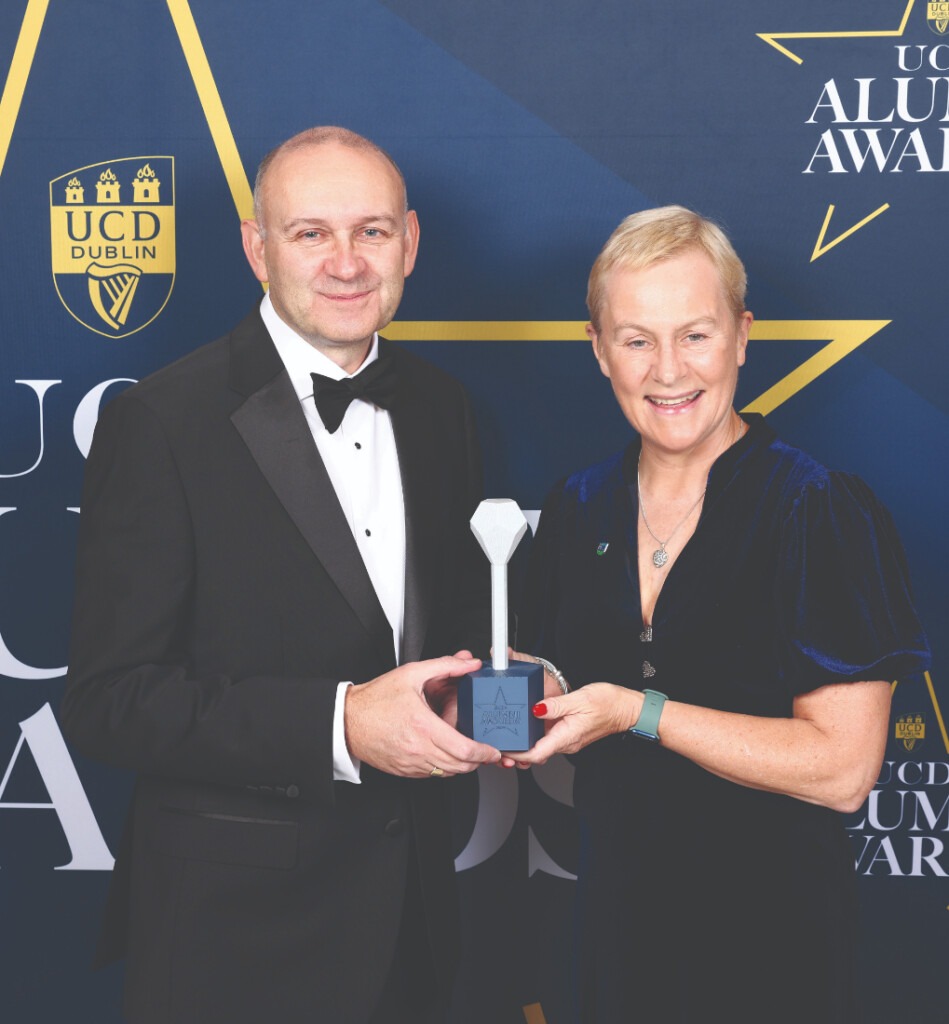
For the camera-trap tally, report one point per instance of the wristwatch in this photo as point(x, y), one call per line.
point(647, 725)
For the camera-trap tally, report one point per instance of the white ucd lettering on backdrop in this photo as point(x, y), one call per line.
point(40, 387)
point(84, 420)
point(10, 664)
point(67, 798)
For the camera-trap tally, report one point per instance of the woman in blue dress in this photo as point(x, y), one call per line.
point(730, 615)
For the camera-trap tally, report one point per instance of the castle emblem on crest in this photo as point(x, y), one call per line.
point(112, 227)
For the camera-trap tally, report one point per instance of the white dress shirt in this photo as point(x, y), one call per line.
point(363, 466)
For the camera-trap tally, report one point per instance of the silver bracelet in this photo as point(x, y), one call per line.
point(554, 671)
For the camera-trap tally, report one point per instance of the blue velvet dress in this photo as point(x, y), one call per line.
point(698, 899)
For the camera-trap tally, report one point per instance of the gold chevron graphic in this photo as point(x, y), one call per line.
point(487, 330)
point(771, 38)
point(19, 72)
point(843, 336)
point(937, 709)
point(820, 248)
point(212, 106)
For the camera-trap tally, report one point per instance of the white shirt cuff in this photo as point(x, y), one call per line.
point(345, 766)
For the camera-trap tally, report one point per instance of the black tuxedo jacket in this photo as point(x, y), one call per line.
point(220, 600)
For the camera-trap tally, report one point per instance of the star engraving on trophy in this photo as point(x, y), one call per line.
point(500, 715)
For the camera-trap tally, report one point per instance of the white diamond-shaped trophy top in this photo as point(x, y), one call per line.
point(499, 525)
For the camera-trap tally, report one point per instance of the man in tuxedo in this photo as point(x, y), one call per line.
point(254, 563)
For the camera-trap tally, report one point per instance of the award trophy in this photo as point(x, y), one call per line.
point(495, 704)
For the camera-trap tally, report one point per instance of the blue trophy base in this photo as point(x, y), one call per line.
point(495, 705)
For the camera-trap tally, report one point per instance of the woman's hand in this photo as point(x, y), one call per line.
point(577, 719)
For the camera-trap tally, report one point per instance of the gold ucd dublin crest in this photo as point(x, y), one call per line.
point(937, 17)
point(911, 729)
point(113, 242)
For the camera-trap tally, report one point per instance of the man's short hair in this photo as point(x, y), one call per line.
point(317, 137)
point(662, 233)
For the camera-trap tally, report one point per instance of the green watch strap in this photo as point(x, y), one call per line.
point(647, 725)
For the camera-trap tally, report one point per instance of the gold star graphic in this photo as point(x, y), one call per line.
point(842, 336)
point(771, 38)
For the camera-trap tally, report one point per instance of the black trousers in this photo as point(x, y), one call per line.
point(413, 994)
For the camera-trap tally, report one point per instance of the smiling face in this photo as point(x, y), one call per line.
point(671, 346)
point(335, 244)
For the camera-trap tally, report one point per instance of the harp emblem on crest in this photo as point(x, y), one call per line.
point(115, 285)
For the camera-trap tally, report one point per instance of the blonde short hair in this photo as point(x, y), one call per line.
point(650, 236)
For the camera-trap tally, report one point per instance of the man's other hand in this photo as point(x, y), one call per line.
point(392, 722)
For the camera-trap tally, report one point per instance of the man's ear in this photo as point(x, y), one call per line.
point(411, 242)
point(253, 240)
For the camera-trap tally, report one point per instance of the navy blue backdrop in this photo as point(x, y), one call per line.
point(817, 134)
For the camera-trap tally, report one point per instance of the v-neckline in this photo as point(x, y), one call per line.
point(716, 477)
point(635, 576)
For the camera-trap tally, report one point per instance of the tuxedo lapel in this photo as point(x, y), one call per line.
point(277, 435)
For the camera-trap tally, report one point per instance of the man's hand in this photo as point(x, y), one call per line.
point(442, 694)
point(392, 723)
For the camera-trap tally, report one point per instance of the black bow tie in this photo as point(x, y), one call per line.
point(376, 384)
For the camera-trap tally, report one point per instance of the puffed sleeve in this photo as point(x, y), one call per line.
point(843, 595)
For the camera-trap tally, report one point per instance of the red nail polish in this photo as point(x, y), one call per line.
point(540, 709)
